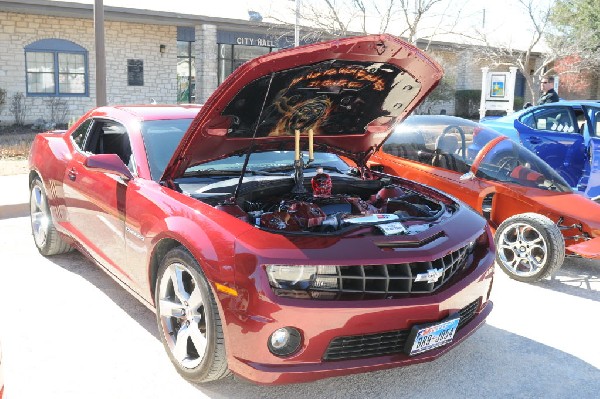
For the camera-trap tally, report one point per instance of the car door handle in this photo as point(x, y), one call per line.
point(534, 140)
point(72, 174)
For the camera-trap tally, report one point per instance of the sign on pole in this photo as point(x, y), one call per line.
point(497, 91)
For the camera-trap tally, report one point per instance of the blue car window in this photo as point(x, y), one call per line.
point(596, 123)
point(528, 120)
point(556, 119)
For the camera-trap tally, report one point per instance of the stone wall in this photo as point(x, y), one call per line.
point(128, 40)
point(123, 41)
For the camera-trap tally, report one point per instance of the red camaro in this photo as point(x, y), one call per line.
point(261, 252)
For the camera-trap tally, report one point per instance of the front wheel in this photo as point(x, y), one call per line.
point(188, 319)
point(529, 247)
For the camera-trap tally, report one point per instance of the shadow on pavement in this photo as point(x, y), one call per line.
point(75, 262)
point(577, 277)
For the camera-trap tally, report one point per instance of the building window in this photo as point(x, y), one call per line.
point(186, 73)
point(186, 65)
point(56, 67)
point(231, 56)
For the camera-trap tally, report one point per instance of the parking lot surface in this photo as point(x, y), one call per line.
point(69, 331)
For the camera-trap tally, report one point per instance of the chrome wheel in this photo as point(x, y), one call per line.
point(522, 249)
point(40, 220)
point(529, 247)
point(182, 315)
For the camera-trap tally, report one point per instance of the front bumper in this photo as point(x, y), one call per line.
point(250, 319)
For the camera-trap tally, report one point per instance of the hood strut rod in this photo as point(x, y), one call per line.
point(251, 146)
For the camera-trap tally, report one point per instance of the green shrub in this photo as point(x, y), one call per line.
point(18, 108)
point(519, 101)
point(467, 103)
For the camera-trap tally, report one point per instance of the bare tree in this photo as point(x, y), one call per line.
point(532, 60)
point(412, 20)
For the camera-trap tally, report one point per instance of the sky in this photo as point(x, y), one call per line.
point(505, 22)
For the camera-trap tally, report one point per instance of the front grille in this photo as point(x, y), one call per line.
point(391, 280)
point(387, 343)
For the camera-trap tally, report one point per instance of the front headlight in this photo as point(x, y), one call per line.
point(303, 277)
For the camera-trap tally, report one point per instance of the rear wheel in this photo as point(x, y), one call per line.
point(46, 238)
point(188, 319)
point(529, 247)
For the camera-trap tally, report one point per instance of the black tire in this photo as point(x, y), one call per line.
point(529, 247)
point(188, 319)
point(47, 240)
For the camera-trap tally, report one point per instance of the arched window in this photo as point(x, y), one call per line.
point(56, 67)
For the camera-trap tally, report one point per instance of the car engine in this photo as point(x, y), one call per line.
point(349, 204)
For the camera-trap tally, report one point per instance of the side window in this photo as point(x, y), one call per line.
point(581, 122)
point(406, 144)
point(528, 120)
point(594, 117)
point(556, 119)
point(110, 137)
point(79, 135)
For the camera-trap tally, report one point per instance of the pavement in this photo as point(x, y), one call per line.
point(69, 331)
point(14, 196)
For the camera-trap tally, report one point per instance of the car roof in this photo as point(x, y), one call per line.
point(575, 102)
point(157, 112)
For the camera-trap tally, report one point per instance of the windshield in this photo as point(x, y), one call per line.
point(511, 163)
point(454, 143)
point(161, 139)
point(270, 161)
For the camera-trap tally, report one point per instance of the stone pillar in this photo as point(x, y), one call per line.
point(206, 50)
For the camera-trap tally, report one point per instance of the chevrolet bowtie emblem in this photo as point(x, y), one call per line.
point(431, 276)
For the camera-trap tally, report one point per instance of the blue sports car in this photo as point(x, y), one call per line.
point(565, 134)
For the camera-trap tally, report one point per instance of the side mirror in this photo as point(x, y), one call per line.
point(108, 163)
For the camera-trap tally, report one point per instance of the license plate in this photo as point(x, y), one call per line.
point(425, 337)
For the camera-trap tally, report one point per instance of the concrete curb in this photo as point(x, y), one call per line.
point(14, 196)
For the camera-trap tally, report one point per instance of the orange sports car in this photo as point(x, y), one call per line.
point(538, 219)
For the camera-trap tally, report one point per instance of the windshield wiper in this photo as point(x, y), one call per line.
point(309, 166)
point(229, 172)
point(212, 172)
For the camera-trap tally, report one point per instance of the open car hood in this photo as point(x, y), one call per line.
point(350, 92)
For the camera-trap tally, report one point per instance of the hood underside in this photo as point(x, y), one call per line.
point(348, 93)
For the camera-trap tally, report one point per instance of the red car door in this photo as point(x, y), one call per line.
point(95, 200)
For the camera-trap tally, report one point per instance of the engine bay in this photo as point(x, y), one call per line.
point(340, 204)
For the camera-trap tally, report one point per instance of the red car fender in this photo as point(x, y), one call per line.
point(506, 204)
point(587, 249)
point(201, 245)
